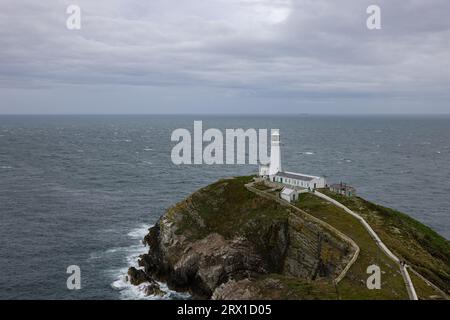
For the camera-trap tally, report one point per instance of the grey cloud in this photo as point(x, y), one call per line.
point(305, 50)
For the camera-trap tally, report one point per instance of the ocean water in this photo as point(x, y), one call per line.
point(83, 190)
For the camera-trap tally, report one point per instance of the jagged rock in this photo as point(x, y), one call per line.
point(153, 289)
point(223, 235)
point(226, 242)
point(136, 277)
point(204, 264)
point(149, 286)
point(236, 290)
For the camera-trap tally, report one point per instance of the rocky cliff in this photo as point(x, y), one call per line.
point(225, 242)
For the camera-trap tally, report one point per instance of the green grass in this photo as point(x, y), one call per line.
point(353, 286)
point(261, 186)
point(291, 288)
point(423, 248)
point(423, 290)
point(229, 209)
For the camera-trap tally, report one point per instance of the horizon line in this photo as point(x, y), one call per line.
point(230, 114)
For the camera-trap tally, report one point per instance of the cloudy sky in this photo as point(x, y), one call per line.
point(224, 56)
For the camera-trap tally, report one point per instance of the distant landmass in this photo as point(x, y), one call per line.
point(235, 239)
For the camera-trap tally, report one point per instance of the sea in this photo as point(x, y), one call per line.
point(83, 190)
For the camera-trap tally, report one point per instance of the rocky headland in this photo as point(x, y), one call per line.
point(227, 242)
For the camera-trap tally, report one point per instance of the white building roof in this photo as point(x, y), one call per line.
point(287, 191)
point(298, 176)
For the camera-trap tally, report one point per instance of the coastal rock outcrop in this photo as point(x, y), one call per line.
point(138, 277)
point(225, 242)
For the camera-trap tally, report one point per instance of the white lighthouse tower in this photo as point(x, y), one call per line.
point(275, 153)
point(275, 156)
point(291, 180)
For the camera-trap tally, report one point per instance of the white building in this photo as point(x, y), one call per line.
point(298, 180)
point(274, 173)
point(289, 194)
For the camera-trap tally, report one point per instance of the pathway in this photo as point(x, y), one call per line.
point(403, 268)
point(306, 215)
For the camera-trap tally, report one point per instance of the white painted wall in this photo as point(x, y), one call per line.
point(275, 152)
point(319, 181)
point(292, 197)
point(285, 197)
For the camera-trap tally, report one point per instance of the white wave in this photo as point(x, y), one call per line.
point(308, 153)
point(341, 160)
point(94, 256)
point(131, 292)
point(118, 249)
point(6, 167)
point(126, 290)
point(140, 232)
point(148, 149)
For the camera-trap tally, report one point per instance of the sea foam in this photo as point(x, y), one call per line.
point(128, 291)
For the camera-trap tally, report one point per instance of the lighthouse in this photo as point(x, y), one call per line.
point(291, 180)
point(275, 153)
point(275, 156)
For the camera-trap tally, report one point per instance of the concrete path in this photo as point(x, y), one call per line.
point(403, 268)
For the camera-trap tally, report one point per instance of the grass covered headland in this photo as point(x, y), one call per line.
point(226, 241)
